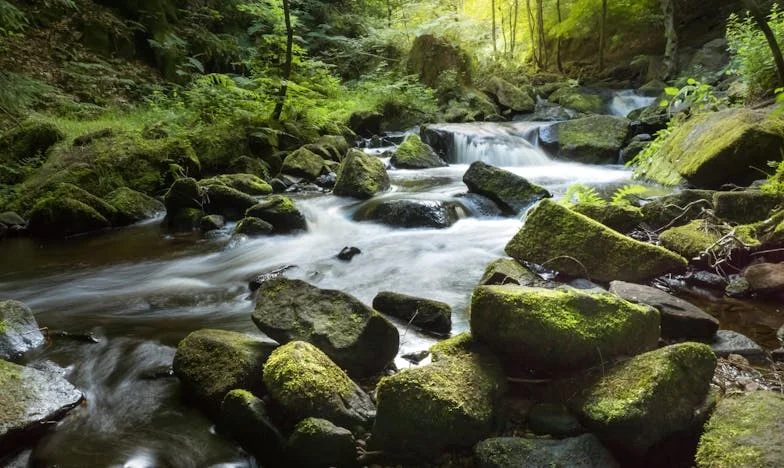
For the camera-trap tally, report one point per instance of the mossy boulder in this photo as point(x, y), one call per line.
point(245, 183)
point(63, 217)
point(428, 314)
point(352, 334)
point(552, 330)
point(211, 363)
point(717, 148)
point(413, 153)
point(12, 219)
point(133, 206)
point(744, 430)
point(621, 218)
point(642, 401)
point(183, 193)
point(244, 417)
point(361, 176)
point(336, 141)
point(28, 140)
point(303, 163)
point(279, 211)
point(509, 271)
point(579, 99)
point(306, 383)
point(19, 332)
point(508, 96)
point(509, 191)
point(253, 227)
point(65, 190)
point(410, 213)
point(226, 201)
point(317, 443)
point(597, 139)
point(677, 209)
point(748, 206)
point(430, 56)
point(565, 241)
point(211, 223)
point(690, 240)
point(516, 452)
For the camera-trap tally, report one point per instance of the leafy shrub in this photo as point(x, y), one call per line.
point(751, 56)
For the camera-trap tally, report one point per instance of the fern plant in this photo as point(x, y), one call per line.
point(579, 194)
point(628, 195)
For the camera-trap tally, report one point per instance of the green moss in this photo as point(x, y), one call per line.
point(456, 346)
point(690, 240)
point(413, 153)
point(361, 176)
point(577, 99)
point(594, 139)
point(677, 209)
point(246, 183)
point(253, 227)
point(748, 206)
point(3, 326)
point(622, 218)
point(61, 217)
point(509, 96)
point(303, 163)
point(133, 206)
point(29, 140)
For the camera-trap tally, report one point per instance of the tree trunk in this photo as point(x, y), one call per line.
point(762, 22)
point(540, 27)
point(284, 86)
point(558, 40)
point(495, 47)
point(389, 13)
point(671, 36)
point(514, 25)
point(531, 31)
point(602, 32)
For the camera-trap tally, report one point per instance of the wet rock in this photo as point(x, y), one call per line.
point(63, 217)
point(777, 355)
point(303, 163)
point(621, 218)
point(410, 213)
point(747, 206)
point(679, 319)
point(414, 154)
point(677, 209)
point(596, 139)
point(327, 181)
point(256, 282)
point(744, 431)
point(361, 176)
point(280, 212)
point(183, 204)
point(549, 112)
point(430, 315)
point(509, 271)
point(353, 335)
point(728, 342)
point(520, 325)
point(516, 452)
point(579, 99)
point(211, 223)
point(765, 278)
point(565, 241)
point(416, 357)
point(253, 227)
point(644, 400)
point(510, 192)
point(738, 287)
point(133, 206)
point(508, 96)
point(226, 201)
point(348, 254)
point(706, 279)
point(306, 383)
point(555, 420)
point(211, 363)
point(31, 401)
point(338, 142)
point(19, 332)
point(244, 418)
point(317, 443)
point(245, 183)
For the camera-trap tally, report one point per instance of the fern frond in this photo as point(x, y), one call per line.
point(578, 194)
point(628, 195)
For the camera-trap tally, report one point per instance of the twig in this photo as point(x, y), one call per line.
point(567, 257)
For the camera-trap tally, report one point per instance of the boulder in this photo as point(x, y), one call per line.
point(509, 191)
point(19, 332)
point(183, 193)
point(361, 176)
point(353, 335)
point(280, 212)
point(765, 278)
point(727, 342)
point(621, 218)
point(211, 223)
point(328, 153)
point(745, 207)
point(28, 140)
point(690, 240)
point(430, 56)
point(597, 139)
point(414, 154)
point(410, 213)
point(677, 209)
point(211, 363)
point(244, 417)
point(31, 401)
point(565, 241)
point(509, 96)
point(516, 452)
point(366, 123)
point(63, 217)
point(253, 227)
point(744, 430)
point(428, 314)
point(553, 330)
point(133, 206)
point(303, 163)
point(579, 99)
point(509, 271)
point(245, 183)
point(12, 219)
point(306, 383)
point(336, 141)
point(317, 443)
point(642, 401)
point(679, 319)
point(555, 420)
point(226, 201)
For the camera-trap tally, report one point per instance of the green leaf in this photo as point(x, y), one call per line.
point(664, 103)
point(671, 91)
point(691, 81)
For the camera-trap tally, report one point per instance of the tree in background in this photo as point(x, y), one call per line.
point(286, 75)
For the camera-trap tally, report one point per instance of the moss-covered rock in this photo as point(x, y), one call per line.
point(336, 141)
point(211, 363)
point(226, 201)
point(12, 219)
point(597, 139)
point(574, 244)
point(578, 99)
point(317, 443)
point(642, 401)
point(303, 163)
point(690, 240)
point(361, 176)
point(245, 183)
point(413, 153)
point(19, 332)
point(253, 166)
point(28, 140)
point(516, 452)
point(211, 223)
point(508, 96)
point(677, 209)
point(133, 206)
point(244, 417)
point(183, 203)
point(431, 56)
point(65, 190)
point(621, 218)
point(63, 217)
point(428, 314)
point(306, 383)
point(253, 227)
point(560, 329)
point(718, 148)
point(509, 191)
point(280, 212)
point(352, 334)
point(509, 271)
point(745, 430)
point(748, 206)
point(410, 213)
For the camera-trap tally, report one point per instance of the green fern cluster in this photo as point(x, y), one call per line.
point(579, 194)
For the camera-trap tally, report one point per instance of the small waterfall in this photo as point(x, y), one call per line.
point(623, 102)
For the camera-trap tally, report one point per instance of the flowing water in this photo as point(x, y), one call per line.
point(623, 102)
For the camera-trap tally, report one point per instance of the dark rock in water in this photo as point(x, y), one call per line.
point(411, 213)
point(509, 271)
point(706, 279)
point(183, 204)
point(348, 254)
point(62, 217)
point(253, 227)
point(414, 154)
point(777, 355)
point(738, 287)
point(316, 443)
point(416, 357)
point(280, 212)
point(327, 181)
point(352, 334)
point(31, 400)
point(596, 139)
point(244, 417)
point(211, 223)
point(226, 201)
point(555, 420)
point(256, 282)
point(765, 278)
point(728, 342)
point(430, 315)
point(278, 185)
point(679, 319)
point(745, 207)
point(133, 206)
point(509, 191)
point(361, 176)
point(19, 332)
point(306, 383)
point(516, 452)
point(478, 205)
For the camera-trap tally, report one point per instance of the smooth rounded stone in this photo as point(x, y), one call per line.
point(597, 139)
point(361, 176)
point(554, 330)
point(509, 271)
point(133, 206)
point(226, 201)
point(280, 212)
point(356, 337)
point(746, 207)
point(183, 193)
point(516, 452)
point(642, 401)
point(679, 319)
point(765, 278)
point(744, 430)
point(555, 420)
point(303, 163)
point(245, 183)
point(244, 417)
point(577, 98)
point(11, 219)
point(211, 223)
point(428, 314)
point(211, 363)
point(565, 241)
point(728, 342)
point(327, 181)
point(306, 383)
point(410, 213)
point(30, 401)
point(63, 217)
point(621, 218)
point(253, 227)
point(19, 332)
point(415, 154)
point(509, 191)
point(317, 443)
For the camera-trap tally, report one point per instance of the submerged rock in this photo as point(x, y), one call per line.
point(425, 313)
point(133, 206)
point(509, 191)
point(317, 443)
point(411, 213)
point(361, 176)
point(597, 139)
point(244, 417)
point(280, 212)
point(516, 452)
point(415, 154)
point(19, 332)
point(347, 254)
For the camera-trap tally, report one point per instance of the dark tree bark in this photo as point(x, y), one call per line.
point(543, 59)
point(514, 25)
point(495, 47)
point(762, 22)
point(558, 40)
point(286, 75)
point(602, 33)
point(671, 36)
point(534, 52)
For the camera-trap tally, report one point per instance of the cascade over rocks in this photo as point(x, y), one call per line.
point(19, 332)
point(597, 139)
point(361, 176)
point(509, 191)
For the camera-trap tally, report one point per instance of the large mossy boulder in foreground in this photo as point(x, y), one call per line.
point(133, 206)
point(415, 154)
point(509, 191)
point(642, 401)
point(565, 241)
point(717, 148)
point(744, 430)
point(361, 176)
point(211, 363)
point(509, 96)
point(31, 401)
point(62, 217)
point(516, 452)
point(306, 383)
point(19, 332)
point(352, 334)
point(431, 56)
point(280, 212)
point(554, 330)
point(597, 139)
